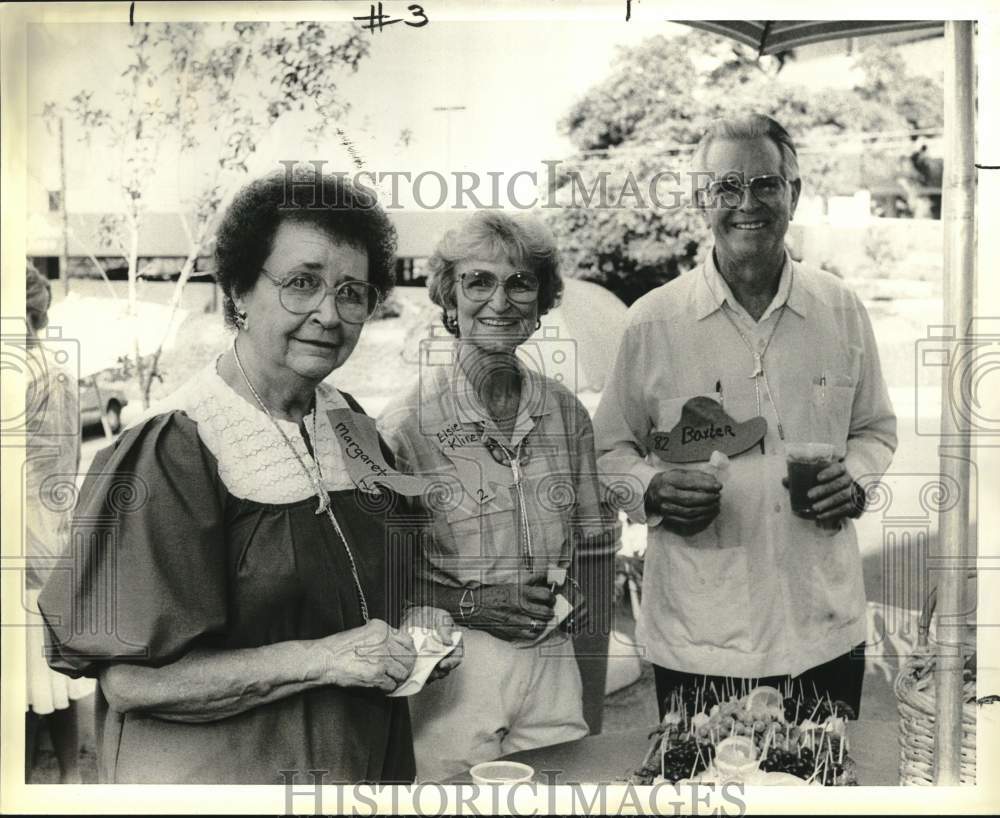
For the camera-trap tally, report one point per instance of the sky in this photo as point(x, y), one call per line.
point(514, 80)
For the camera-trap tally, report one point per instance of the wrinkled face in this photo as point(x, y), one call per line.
point(754, 228)
point(496, 324)
point(311, 345)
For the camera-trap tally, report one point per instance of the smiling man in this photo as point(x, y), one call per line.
point(735, 584)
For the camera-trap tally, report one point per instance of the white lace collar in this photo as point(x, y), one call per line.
point(255, 462)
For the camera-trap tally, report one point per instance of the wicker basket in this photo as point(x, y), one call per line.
point(915, 700)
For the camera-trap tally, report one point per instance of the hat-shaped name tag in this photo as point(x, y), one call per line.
point(704, 428)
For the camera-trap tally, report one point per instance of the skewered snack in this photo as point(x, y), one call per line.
point(756, 736)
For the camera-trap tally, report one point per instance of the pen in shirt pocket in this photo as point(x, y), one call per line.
point(820, 381)
point(718, 388)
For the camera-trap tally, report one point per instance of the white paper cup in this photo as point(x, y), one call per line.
point(501, 772)
point(734, 758)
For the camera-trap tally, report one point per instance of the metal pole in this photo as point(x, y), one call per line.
point(64, 256)
point(958, 209)
point(987, 458)
point(448, 109)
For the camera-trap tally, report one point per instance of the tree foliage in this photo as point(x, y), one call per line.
point(197, 90)
point(646, 115)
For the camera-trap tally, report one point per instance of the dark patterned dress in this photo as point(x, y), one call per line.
point(197, 528)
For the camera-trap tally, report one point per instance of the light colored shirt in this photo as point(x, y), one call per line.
point(760, 592)
point(483, 528)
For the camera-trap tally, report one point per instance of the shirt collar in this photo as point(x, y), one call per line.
point(712, 291)
point(534, 401)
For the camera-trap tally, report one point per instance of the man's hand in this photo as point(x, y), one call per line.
point(836, 496)
point(688, 500)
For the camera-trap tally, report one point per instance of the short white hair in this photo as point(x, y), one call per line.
point(750, 126)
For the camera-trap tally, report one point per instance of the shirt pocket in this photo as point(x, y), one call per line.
point(668, 413)
point(709, 592)
point(831, 407)
point(485, 484)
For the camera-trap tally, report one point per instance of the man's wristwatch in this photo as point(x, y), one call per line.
point(467, 604)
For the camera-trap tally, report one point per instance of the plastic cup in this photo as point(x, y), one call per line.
point(805, 461)
point(501, 772)
point(734, 759)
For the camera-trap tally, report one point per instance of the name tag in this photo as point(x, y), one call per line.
point(705, 427)
point(366, 466)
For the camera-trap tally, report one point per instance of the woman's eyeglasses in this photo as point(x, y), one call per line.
point(728, 191)
point(520, 288)
point(301, 293)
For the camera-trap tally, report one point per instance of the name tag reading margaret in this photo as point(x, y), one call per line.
point(366, 466)
point(704, 428)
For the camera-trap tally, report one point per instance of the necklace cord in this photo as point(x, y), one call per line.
point(317, 482)
point(758, 358)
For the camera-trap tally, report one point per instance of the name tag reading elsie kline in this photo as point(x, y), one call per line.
point(705, 427)
point(455, 436)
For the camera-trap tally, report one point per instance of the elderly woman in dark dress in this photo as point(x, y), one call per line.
point(233, 580)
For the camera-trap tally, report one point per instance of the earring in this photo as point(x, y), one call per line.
point(241, 320)
point(538, 324)
point(450, 321)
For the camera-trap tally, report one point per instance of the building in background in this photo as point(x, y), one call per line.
point(164, 246)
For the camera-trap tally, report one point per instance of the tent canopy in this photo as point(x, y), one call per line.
point(775, 36)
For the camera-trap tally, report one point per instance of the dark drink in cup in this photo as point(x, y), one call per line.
point(805, 461)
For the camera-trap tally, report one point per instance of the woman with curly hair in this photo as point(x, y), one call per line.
point(501, 550)
point(242, 623)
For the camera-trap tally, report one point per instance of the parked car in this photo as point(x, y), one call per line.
point(97, 402)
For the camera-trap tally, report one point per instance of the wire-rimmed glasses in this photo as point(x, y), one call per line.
point(520, 287)
point(301, 293)
point(727, 192)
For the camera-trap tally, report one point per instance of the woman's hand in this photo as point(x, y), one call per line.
point(374, 655)
point(515, 611)
point(441, 622)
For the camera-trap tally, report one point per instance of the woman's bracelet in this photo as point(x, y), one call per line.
point(467, 604)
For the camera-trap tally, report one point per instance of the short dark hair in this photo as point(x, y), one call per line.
point(328, 201)
point(522, 240)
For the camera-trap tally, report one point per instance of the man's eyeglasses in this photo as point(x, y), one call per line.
point(301, 293)
point(520, 288)
point(728, 191)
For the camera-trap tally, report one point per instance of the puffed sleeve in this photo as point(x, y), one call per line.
point(145, 578)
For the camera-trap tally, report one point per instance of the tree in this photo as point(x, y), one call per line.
point(207, 89)
point(646, 116)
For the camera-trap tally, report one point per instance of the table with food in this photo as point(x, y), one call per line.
point(762, 736)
